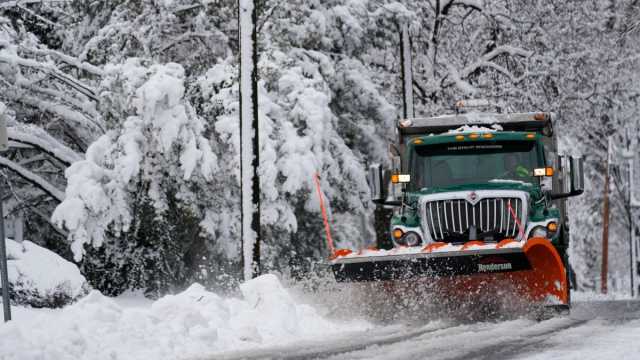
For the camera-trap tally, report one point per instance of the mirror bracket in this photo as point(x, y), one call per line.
point(388, 202)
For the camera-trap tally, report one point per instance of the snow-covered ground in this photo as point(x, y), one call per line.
point(595, 330)
point(559, 339)
point(182, 326)
point(597, 340)
point(271, 321)
point(39, 277)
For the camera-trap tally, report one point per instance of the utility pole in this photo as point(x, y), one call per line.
point(407, 72)
point(382, 214)
point(605, 226)
point(632, 233)
point(249, 144)
point(633, 204)
point(4, 145)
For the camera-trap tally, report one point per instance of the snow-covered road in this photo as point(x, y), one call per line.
point(268, 320)
point(594, 330)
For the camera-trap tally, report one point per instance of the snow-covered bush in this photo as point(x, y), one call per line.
point(41, 278)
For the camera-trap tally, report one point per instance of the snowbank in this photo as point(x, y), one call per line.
point(42, 278)
point(193, 323)
point(587, 296)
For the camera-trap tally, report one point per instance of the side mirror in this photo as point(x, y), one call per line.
point(565, 172)
point(571, 177)
point(376, 183)
point(577, 175)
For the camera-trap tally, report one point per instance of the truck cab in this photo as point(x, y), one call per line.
point(481, 177)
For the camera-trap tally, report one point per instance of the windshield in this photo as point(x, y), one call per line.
point(468, 163)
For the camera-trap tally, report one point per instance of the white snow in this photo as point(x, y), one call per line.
point(187, 325)
point(560, 338)
point(40, 277)
point(38, 137)
point(596, 340)
point(420, 249)
point(41, 272)
point(510, 181)
point(475, 128)
point(588, 296)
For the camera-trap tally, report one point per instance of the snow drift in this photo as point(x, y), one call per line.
point(41, 278)
point(186, 325)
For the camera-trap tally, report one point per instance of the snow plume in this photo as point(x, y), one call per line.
point(160, 139)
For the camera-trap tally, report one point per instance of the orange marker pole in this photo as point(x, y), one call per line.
point(332, 249)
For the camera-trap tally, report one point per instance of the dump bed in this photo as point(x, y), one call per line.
point(534, 122)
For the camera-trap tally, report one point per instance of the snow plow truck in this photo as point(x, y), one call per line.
point(479, 207)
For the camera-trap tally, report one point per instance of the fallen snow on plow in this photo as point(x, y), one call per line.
point(447, 248)
point(185, 325)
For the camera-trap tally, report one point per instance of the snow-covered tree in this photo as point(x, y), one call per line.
point(153, 161)
point(79, 82)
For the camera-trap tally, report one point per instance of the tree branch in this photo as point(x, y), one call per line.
point(33, 178)
point(82, 65)
point(39, 139)
point(51, 71)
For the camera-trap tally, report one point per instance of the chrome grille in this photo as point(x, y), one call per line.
point(450, 220)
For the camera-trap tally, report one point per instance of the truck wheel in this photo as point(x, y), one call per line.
point(551, 311)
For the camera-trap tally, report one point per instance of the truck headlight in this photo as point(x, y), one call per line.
point(538, 231)
point(410, 239)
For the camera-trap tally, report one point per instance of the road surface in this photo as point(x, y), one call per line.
point(594, 330)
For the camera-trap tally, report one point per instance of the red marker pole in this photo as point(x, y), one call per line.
point(332, 250)
point(515, 218)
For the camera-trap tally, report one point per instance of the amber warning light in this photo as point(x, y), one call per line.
point(546, 171)
point(400, 178)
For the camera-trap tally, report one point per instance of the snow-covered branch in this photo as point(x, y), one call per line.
point(491, 55)
point(47, 217)
point(47, 68)
point(13, 3)
point(82, 65)
point(59, 95)
point(33, 178)
point(60, 110)
point(41, 140)
point(459, 82)
point(183, 37)
point(458, 78)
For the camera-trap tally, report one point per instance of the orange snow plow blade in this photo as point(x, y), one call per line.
point(532, 269)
